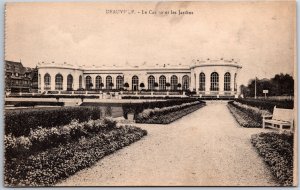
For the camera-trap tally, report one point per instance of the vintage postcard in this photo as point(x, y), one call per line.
point(150, 94)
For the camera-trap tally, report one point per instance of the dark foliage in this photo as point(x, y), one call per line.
point(267, 104)
point(20, 123)
point(137, 108)
point(277, 151)
point(32, 104)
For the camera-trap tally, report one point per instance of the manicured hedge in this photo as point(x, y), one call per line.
point(168, 114)
point(243, 118)
point(252, 115)
point(267, 104)
point(277, 151)
point(137, 108)
point(49, 166)
point(20, 123)
point(32, 104)
point(55, 96)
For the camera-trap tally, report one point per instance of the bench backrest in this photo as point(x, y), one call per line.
point(283, 114)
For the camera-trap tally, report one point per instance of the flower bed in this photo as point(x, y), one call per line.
point(20, 123)
point(242, 118)
point(32, 104)
point(167, 115)
point(47, 156)
point(247, 116)
point(277, 151)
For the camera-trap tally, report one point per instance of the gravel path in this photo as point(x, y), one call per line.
point(204, 148)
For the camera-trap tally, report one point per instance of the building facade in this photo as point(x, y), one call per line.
point(19, 78)
point(205, 77)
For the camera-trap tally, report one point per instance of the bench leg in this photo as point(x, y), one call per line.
point(280, 129)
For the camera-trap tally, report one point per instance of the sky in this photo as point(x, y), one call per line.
point(260, 34)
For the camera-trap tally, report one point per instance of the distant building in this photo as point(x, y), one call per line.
point(205, 77)
point(19, 78)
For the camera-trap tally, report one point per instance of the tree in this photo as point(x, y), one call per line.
point(142, 85)
point(179, 85)
point(101, 85)
point(168, 85)
point(126, 85)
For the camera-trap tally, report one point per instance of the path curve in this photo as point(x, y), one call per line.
point(204, 148)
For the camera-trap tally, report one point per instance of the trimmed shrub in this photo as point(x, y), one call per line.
point(277, 151)
point(243, 118)
point(137, 108)
point(20, 123)
point(267, 104)
point(32, 104)
point(167, 115)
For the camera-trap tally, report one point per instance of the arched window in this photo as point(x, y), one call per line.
point(58, 82)
point(119, 82)
point(47, 82)
point(151, 81)
point(135, 83)
point(109, 82)
point(174, 82)
point(202, 82)
point(70, 82)
point(214, 81)
point(162, 82)
point(227, 81)
point(39, 81)
point(185, 82)
point(80, 81)
point(98, 82)
point(235, 85)
point(88, 83)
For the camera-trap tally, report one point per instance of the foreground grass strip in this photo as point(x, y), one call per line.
point(242, 118)
point(277, 151)
point(48, 167)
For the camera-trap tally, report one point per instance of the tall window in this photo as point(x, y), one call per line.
point(135, 83)
point(98, 82)
point(174, 82)
point(119, 82)
point(235, 85)
point(47, 82)
point(80, 81)
point(227, 82)
point(70, 82)
point(88, 82)
point(58, 82)
point(214, 81)
point(162, 82)
point(151, 81)
point(202, 82)
point(185, 82)
point(109, 82)
point(39, 81)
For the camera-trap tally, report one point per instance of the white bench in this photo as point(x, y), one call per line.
point(281, 119)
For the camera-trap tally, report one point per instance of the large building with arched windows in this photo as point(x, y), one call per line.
point(205, 77)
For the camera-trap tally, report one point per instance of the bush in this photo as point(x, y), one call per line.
point(277, 151)
point(137, 108)
point(243, 118)
point(167, 115)
point(20, 123)
point(47, 167)
point(267, 104)
point(32, 104)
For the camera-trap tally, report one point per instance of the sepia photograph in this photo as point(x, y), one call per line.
point(200, 93)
